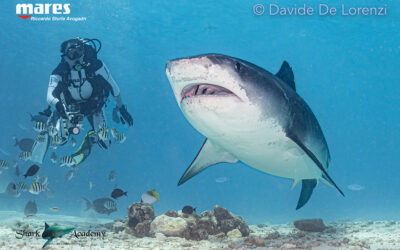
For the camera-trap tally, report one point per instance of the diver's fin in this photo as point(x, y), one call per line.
point(294, 184)
point(307, 188)
point(47, 242)
point(286, 75)
point(209, 154)
point(313, 158)
point(88, 204)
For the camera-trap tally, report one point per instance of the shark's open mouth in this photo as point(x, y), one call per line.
point(205, 90)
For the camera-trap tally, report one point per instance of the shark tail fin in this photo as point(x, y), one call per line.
point(307, 188)
point(88, 204)
point(47, 242)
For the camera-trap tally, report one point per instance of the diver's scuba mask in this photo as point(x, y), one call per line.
point(75, 51)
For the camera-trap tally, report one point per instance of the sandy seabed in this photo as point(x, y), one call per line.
point(338, 235)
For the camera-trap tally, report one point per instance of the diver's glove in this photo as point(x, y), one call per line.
point(61, 110)
point(125, 116)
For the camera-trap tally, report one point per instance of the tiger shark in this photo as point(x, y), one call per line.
point(250, 115)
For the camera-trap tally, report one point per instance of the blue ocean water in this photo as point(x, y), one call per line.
point(346, 68)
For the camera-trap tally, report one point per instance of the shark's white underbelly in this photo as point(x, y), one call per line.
point(257, 141)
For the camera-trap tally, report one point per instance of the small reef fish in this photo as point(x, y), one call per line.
point(4, 164)
point(40, 126)
point(25, 156)
point(355, 187)
point(103, 134)
point(111, 176)
point(73, 142)
point(53, 232)
point(90, 185)
point(67, 161)
point(25, 144)
point(150, 197)
point(12, 190)
point(32, 170)
point(102, 205)
point(120, 138)
point(69, 175)
point(116, 193)
point(221, 179)
point(114, 132)
point(30, 209)
point(188, 210)
point(36, 188)
point(53, 157)
point(54, 209)
point(22, 187)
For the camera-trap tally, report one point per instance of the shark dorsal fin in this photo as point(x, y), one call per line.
point(46, 226)
point(286, 75)
point(209, 154)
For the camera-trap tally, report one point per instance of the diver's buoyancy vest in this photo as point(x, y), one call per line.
point(100, 92)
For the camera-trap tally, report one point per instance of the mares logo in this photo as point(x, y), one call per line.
point(26, 10)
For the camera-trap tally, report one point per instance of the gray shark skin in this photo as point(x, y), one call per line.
point(250, 115)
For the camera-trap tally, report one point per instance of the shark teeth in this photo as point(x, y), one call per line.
point(205, 90)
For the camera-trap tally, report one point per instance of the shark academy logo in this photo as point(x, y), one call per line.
point(26, 10)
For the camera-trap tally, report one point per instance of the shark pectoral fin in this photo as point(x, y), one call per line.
point(286, 74)
point(209, 154)
point(307, 188)
point(47, 242)
point(310, 154)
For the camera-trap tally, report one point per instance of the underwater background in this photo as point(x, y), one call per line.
point(346, 69)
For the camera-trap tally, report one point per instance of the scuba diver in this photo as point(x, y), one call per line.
point(79, 87)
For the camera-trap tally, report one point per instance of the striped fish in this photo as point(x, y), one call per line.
point(103, 134)
point(67, 161)
point(120, 138)
point(40, 126)
point(25, 155)
point(4, 164)
point(110, 205)
point(22, 187)
point(37, 188)
point(114, 132)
